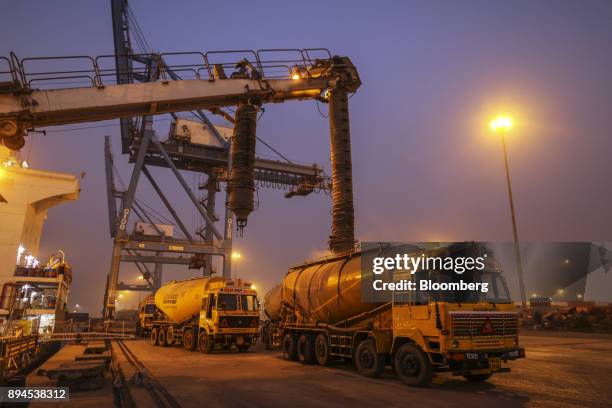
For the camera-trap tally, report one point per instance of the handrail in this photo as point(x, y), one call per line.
point(97, 71)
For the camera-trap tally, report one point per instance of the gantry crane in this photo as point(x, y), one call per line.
point(243, 79)
point(194, 144)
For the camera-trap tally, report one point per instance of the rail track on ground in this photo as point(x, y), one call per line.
point(142, 377)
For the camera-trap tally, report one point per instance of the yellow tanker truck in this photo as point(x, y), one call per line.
point(318, 314)
point(207, 314)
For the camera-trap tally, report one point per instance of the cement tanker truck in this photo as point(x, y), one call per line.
point(317, 314)
point(207, 314)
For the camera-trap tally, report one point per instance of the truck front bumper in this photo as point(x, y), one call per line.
point(482, 362)
point(236, 338)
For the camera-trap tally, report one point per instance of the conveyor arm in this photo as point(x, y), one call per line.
point(23, 108)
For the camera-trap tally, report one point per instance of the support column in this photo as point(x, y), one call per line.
point(157, 274)
point(211, 196)
point(113, 280)
point(228, 229)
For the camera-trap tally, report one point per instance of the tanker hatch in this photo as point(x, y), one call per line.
point(343, 219)
point(242, 177)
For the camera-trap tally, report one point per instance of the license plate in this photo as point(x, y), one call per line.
point(239, 340)
point(495, 364)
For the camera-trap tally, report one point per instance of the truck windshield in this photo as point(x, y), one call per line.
point(227, 303)
point(497, 289)
point(149, 309)
point(249, 303)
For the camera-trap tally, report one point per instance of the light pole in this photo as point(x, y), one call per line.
point(236, 256)
point(502, 125)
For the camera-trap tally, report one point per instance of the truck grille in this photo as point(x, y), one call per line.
point(484, 324)
point(240, 321)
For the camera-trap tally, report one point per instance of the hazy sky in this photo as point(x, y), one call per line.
point(425, 167)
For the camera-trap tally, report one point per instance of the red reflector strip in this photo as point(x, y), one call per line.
point(458, 357)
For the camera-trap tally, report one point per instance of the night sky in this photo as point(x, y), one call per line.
point(425, 165)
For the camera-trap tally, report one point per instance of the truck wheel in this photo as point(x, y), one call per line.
point(161, 337)
point(477, 377)
point(205, 345)
point(369, 363)
point(269, 333)
point(321, 350)
point(153, 338)
point(188, 340)
point(267, 339)
point(170, 336)
point(290, 347)
point(305, 349)
point(412, 366)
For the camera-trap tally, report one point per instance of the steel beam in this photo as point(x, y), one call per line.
point(213, 249)
point(110, 187)
point(169, 260)
point(169, 207)
point(135, 288)
point(77, 105)
point(186, 187)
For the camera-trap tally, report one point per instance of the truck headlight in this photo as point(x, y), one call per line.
point(455, 344)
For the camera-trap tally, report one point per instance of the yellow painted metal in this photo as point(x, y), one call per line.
point(179, 300)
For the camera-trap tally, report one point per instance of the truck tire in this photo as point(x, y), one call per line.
point(153, 337)
point(290, 347)
point(321, 349)
point(169, 336)
point(269, 333)
point(412, 366)
point(161, 337)
point(267, 339)
point(305, 349)
point(368, 361)
point(189, 343)
point(205, 345)
point(477, 377)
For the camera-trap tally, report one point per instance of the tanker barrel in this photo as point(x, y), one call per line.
point(272, 302)
point(241, 184)
point(180, 300)
point(329, 290)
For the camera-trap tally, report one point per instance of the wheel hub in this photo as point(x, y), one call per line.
point(410, 365)
point(366, 359)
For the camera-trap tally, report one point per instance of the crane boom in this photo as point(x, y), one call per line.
point(76, 105)
point(23, 108)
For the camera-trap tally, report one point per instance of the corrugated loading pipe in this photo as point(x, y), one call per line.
point(242, 176)
point(343, 218)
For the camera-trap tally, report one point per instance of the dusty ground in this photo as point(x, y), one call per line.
point(568, 371)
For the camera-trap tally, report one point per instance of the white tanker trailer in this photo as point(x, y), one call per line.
point(206, 313)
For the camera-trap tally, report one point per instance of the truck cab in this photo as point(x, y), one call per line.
point(146, 316)
point(467, 333)
point(229, 316)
